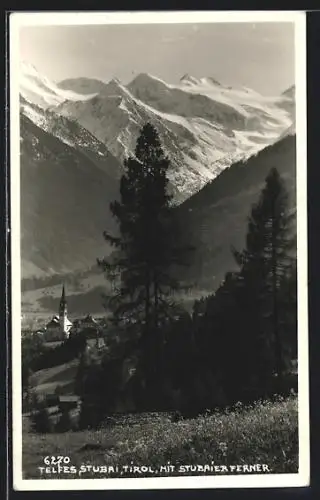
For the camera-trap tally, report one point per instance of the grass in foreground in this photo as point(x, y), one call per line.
point(266, 433)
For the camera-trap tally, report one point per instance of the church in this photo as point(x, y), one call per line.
point(59, 327)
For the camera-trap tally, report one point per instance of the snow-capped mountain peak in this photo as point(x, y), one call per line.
point(147, 82)
point(40, 90)
point(209, 80)
point(189, 80)
point(29, 69)
point(83, 85)
point(203, 125)
point(290, 92)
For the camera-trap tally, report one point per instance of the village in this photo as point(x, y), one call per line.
point(60, 327)
point(53, 387)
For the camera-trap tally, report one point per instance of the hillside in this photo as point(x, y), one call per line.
point(63, 376)
point(270, 428)
point(70, 132)
point(215, 219)
point(65, 196)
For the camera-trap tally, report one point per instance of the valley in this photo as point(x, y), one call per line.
point(75, 136)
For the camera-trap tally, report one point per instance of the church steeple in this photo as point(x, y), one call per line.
point(63, 303)
point(65, 324)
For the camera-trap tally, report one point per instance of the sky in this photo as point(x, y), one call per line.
point(259, 55)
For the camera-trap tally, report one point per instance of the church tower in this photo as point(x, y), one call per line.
point(65, 324)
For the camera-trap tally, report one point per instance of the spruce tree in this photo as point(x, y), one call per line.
point(264, 267)
point(146, 250)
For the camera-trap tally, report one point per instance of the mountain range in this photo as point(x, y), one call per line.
point(75, 134)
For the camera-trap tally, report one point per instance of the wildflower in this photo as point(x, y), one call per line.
point(223, 447)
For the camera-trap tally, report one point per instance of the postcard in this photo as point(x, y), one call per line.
point(159, 250)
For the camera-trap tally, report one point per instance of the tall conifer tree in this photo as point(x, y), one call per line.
point(147, 248)
point(265, 264)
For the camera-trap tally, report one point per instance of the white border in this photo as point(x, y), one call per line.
point(302, 478)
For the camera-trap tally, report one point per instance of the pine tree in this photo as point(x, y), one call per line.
point(146, 250)
point(264, 267)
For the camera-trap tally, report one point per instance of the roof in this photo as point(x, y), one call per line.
point(68, 398)
point(63, 298)
point(55, 322)
point(89, 319)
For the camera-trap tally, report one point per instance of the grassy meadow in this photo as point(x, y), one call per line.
point(265, 433)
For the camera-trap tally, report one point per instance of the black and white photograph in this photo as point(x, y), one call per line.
point(159, 250)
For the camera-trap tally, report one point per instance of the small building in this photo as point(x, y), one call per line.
point(53, 330)
point(89, 322)
point(87, 326)
point(69, 402)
